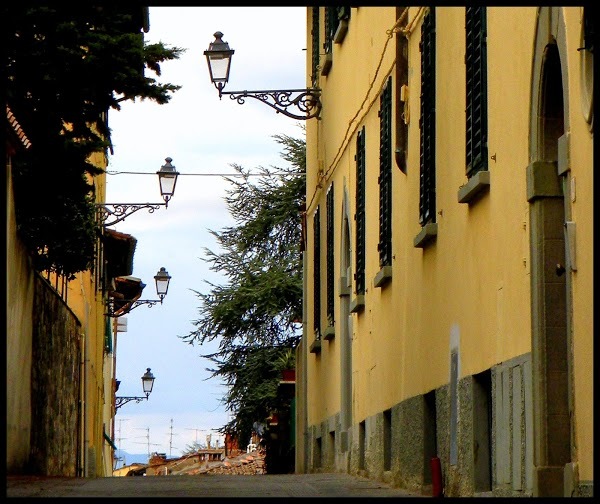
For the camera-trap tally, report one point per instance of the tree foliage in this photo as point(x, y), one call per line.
point(66, 66)
point(193, 447)
point(256, 316)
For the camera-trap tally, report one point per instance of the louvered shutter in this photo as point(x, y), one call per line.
point(359, 275)
point(427, 120)
point(317, 272)
point(315, 46)
point(476, 89)
point(385, 176)
point(330, 261)
point(331, 24)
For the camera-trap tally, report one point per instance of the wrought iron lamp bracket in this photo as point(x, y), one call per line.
point(306, 100)
point(120, 401)
point(120, 211)
point(134, 304)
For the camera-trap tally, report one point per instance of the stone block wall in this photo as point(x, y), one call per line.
point(484, 446)
point(410, 466)
point(56, 381)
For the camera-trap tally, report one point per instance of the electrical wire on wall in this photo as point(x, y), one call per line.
point(349, 134)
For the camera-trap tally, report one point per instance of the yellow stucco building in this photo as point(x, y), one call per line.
point(448, 327)
point(60, 341)
point(56, 370)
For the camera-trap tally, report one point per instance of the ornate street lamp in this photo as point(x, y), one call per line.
point(147, 384)
point(162, 279)
point(218, 56)
point(167, 178)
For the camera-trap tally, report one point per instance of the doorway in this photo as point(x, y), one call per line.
point(346, 326)
point(548, 191)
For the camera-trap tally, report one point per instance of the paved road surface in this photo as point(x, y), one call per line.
point(273, 485)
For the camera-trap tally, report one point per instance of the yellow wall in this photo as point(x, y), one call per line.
point(475, 280)
point(19, 305)
point(86, 301)
point(489, 301)
point(86, 304)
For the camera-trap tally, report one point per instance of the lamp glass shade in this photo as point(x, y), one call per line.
point(219, 68)
point(218, 57)
point(147, 382)
point(162, 279)
point(167, 178)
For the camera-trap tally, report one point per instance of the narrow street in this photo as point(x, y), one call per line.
point(205, 485)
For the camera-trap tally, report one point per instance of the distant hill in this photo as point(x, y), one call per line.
point(131, 458)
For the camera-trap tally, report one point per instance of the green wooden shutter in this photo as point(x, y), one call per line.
point(343, 12)
point(589, 30)
point(385, 176)
point(317, 272)
point(108, 336)
point(330, 261)
point(427, 120)
point(315, 46)
point(331, 24)
point(359, 216)
point(476, 89)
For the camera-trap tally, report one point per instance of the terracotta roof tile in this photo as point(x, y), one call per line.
point(12, 120)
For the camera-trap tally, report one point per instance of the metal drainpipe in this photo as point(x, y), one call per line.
point(84, 405)
point(81, 443)
point(86, 441)
point(304, 397)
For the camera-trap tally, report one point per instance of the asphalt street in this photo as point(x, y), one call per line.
point(207, 485)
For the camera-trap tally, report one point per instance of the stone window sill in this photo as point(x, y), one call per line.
point(427, 235)
point(327, 64)
point(358, 304)
point(477, 185)
point(329, 333)
point(344, 289)
point(383, 276)
point(316, 347)
point(340, 33)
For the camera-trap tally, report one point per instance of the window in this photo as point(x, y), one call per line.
point(315, 47)
point(401, 99)
point(331, 23)
point(336, 26)
point(427, 121)
point(317, 273)
point(586, 50)
point(476, 89)
point(476, 107)
point(387, 440)
point(108, 336)
point(330, 262)
point(589, 30)
point(343, 14)
point(359, 217)
point(385, 176)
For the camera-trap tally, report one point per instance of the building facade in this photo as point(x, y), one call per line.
point(60, 341)
point(448, 326)
point(56, 375)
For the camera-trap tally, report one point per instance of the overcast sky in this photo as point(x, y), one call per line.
point(204, 136)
